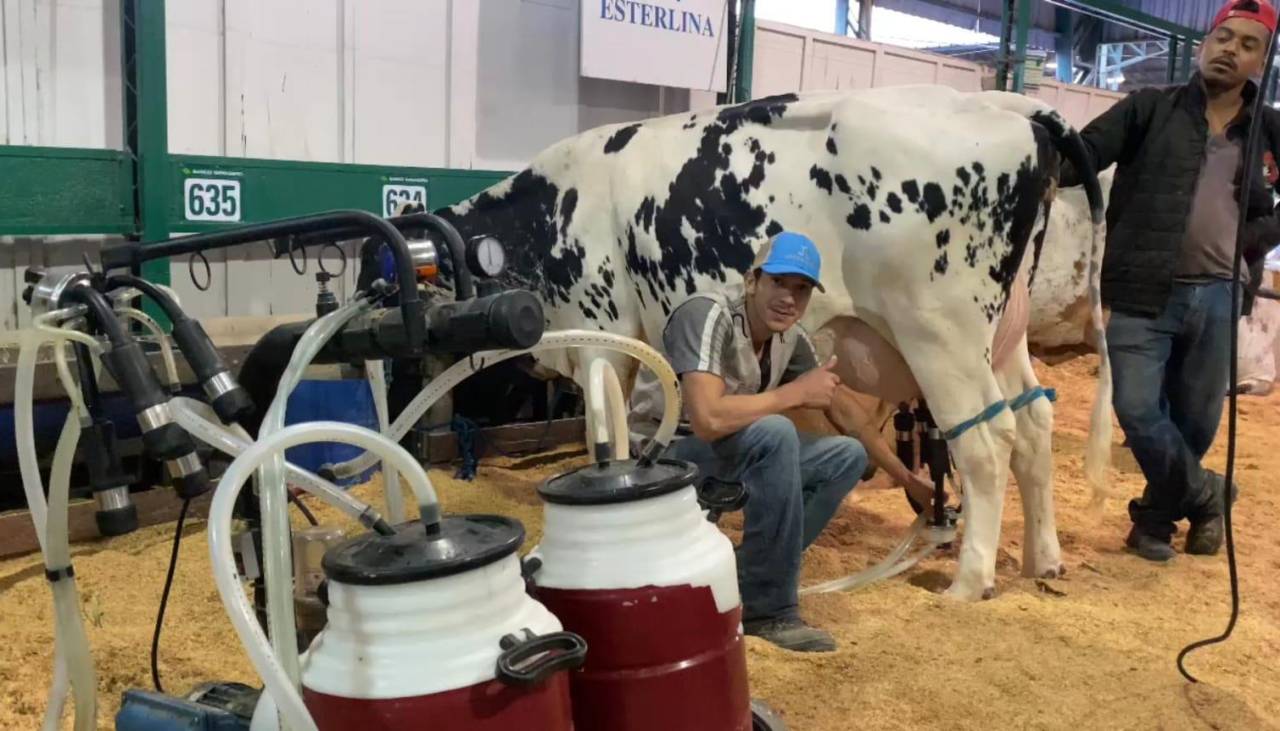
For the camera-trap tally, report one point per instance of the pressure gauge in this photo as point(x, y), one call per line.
point(486, 257)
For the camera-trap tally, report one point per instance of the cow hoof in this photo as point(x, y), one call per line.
point(966, 594)
point(1057, 571)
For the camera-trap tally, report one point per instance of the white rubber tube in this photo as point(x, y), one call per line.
point(277, 561)
point(873, 573)
point(221, 551)
point(607, 409)
point(394, 500)
point(157, 332)
point(66, 597)
point(893, 564)
point(72, 662)
point(200, 421)
point(459, 371)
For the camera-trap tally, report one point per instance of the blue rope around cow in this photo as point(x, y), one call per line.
point(994, 410)
point(466, 432)
point(1031, 395)
point(987, 414)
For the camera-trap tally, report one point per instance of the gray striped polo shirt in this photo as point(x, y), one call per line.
point(709, 333)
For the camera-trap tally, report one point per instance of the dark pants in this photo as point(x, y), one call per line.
point(795, 483)
point(1171, 376)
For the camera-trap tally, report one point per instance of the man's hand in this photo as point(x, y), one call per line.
point(816, 388)
point(918, 487)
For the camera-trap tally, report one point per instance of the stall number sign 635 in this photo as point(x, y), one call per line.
point(211, 199)
point(394, 195)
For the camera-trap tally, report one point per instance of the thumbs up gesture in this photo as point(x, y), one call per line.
point(816, 388)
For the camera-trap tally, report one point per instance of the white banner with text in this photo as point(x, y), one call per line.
point(677, 43)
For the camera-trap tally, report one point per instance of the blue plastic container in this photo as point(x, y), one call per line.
point(349, 401)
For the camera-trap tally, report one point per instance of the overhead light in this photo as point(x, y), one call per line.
point(1051, 65)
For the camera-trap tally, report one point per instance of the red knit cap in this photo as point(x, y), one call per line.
point(1261, 11)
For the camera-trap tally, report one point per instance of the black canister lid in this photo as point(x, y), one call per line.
point(462, 543)
point(618, 481)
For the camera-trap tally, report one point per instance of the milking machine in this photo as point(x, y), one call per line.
point(626, 615)
point(935, 526)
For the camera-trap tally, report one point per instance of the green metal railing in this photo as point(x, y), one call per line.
point(145, 193)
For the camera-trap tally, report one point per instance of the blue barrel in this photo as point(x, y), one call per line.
point(349, 401)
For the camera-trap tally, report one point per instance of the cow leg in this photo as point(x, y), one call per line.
point(959, 385)
point(1032, 465)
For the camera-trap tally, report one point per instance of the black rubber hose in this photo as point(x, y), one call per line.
point(157, 295)
point(228, 399)
point(323, 227)
point(455, 247)
point(101, 313)
point(1246, 183)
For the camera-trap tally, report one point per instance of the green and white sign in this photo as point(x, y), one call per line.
point(211, 199)
point(399, 190)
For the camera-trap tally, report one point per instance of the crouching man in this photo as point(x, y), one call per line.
point(743, 360)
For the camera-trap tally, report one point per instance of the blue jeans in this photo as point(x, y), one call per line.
point(795, 483)
point(1170, 375)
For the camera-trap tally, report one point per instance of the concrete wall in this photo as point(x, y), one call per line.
point(448, 83)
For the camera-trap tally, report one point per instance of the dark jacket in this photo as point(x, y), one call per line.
point(1157, 139)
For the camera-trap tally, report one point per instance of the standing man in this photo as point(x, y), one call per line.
point(743, 359)
point(1166, 275)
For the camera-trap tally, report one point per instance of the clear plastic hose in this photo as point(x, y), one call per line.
point(72, 661)
point(157, 332)
point(200, 421)
point(895, 563)
point(607, 408)
point(459, 371)
point(277, 562)
point(279, 685)
point(125, 294)
point(66, 597)
point(390, 478)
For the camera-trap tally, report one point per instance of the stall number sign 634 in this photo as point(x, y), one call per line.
point(394, 195)
point(211, 199)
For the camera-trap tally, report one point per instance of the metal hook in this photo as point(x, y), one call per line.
point(294, 262)
point(342, 256)
point(208, 271)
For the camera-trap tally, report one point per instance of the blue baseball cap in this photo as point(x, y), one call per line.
point(794, 253)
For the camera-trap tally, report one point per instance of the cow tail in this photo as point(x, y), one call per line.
point(1097, 458)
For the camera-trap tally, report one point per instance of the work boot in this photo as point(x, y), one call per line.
point(1150, 547)
point(1205, 535)
point(790, 633)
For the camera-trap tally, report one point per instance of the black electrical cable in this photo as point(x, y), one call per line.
point(302, 508)
point(1246, 182)
point(164, 597)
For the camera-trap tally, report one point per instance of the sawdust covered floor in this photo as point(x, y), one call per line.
point(1094, 651)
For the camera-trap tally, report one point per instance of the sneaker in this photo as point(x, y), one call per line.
point(1150, 547)
point(791, 634)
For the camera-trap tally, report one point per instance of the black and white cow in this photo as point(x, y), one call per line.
point(926, 204)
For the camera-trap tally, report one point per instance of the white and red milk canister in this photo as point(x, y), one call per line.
point(630, 563)
point(432, 628)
